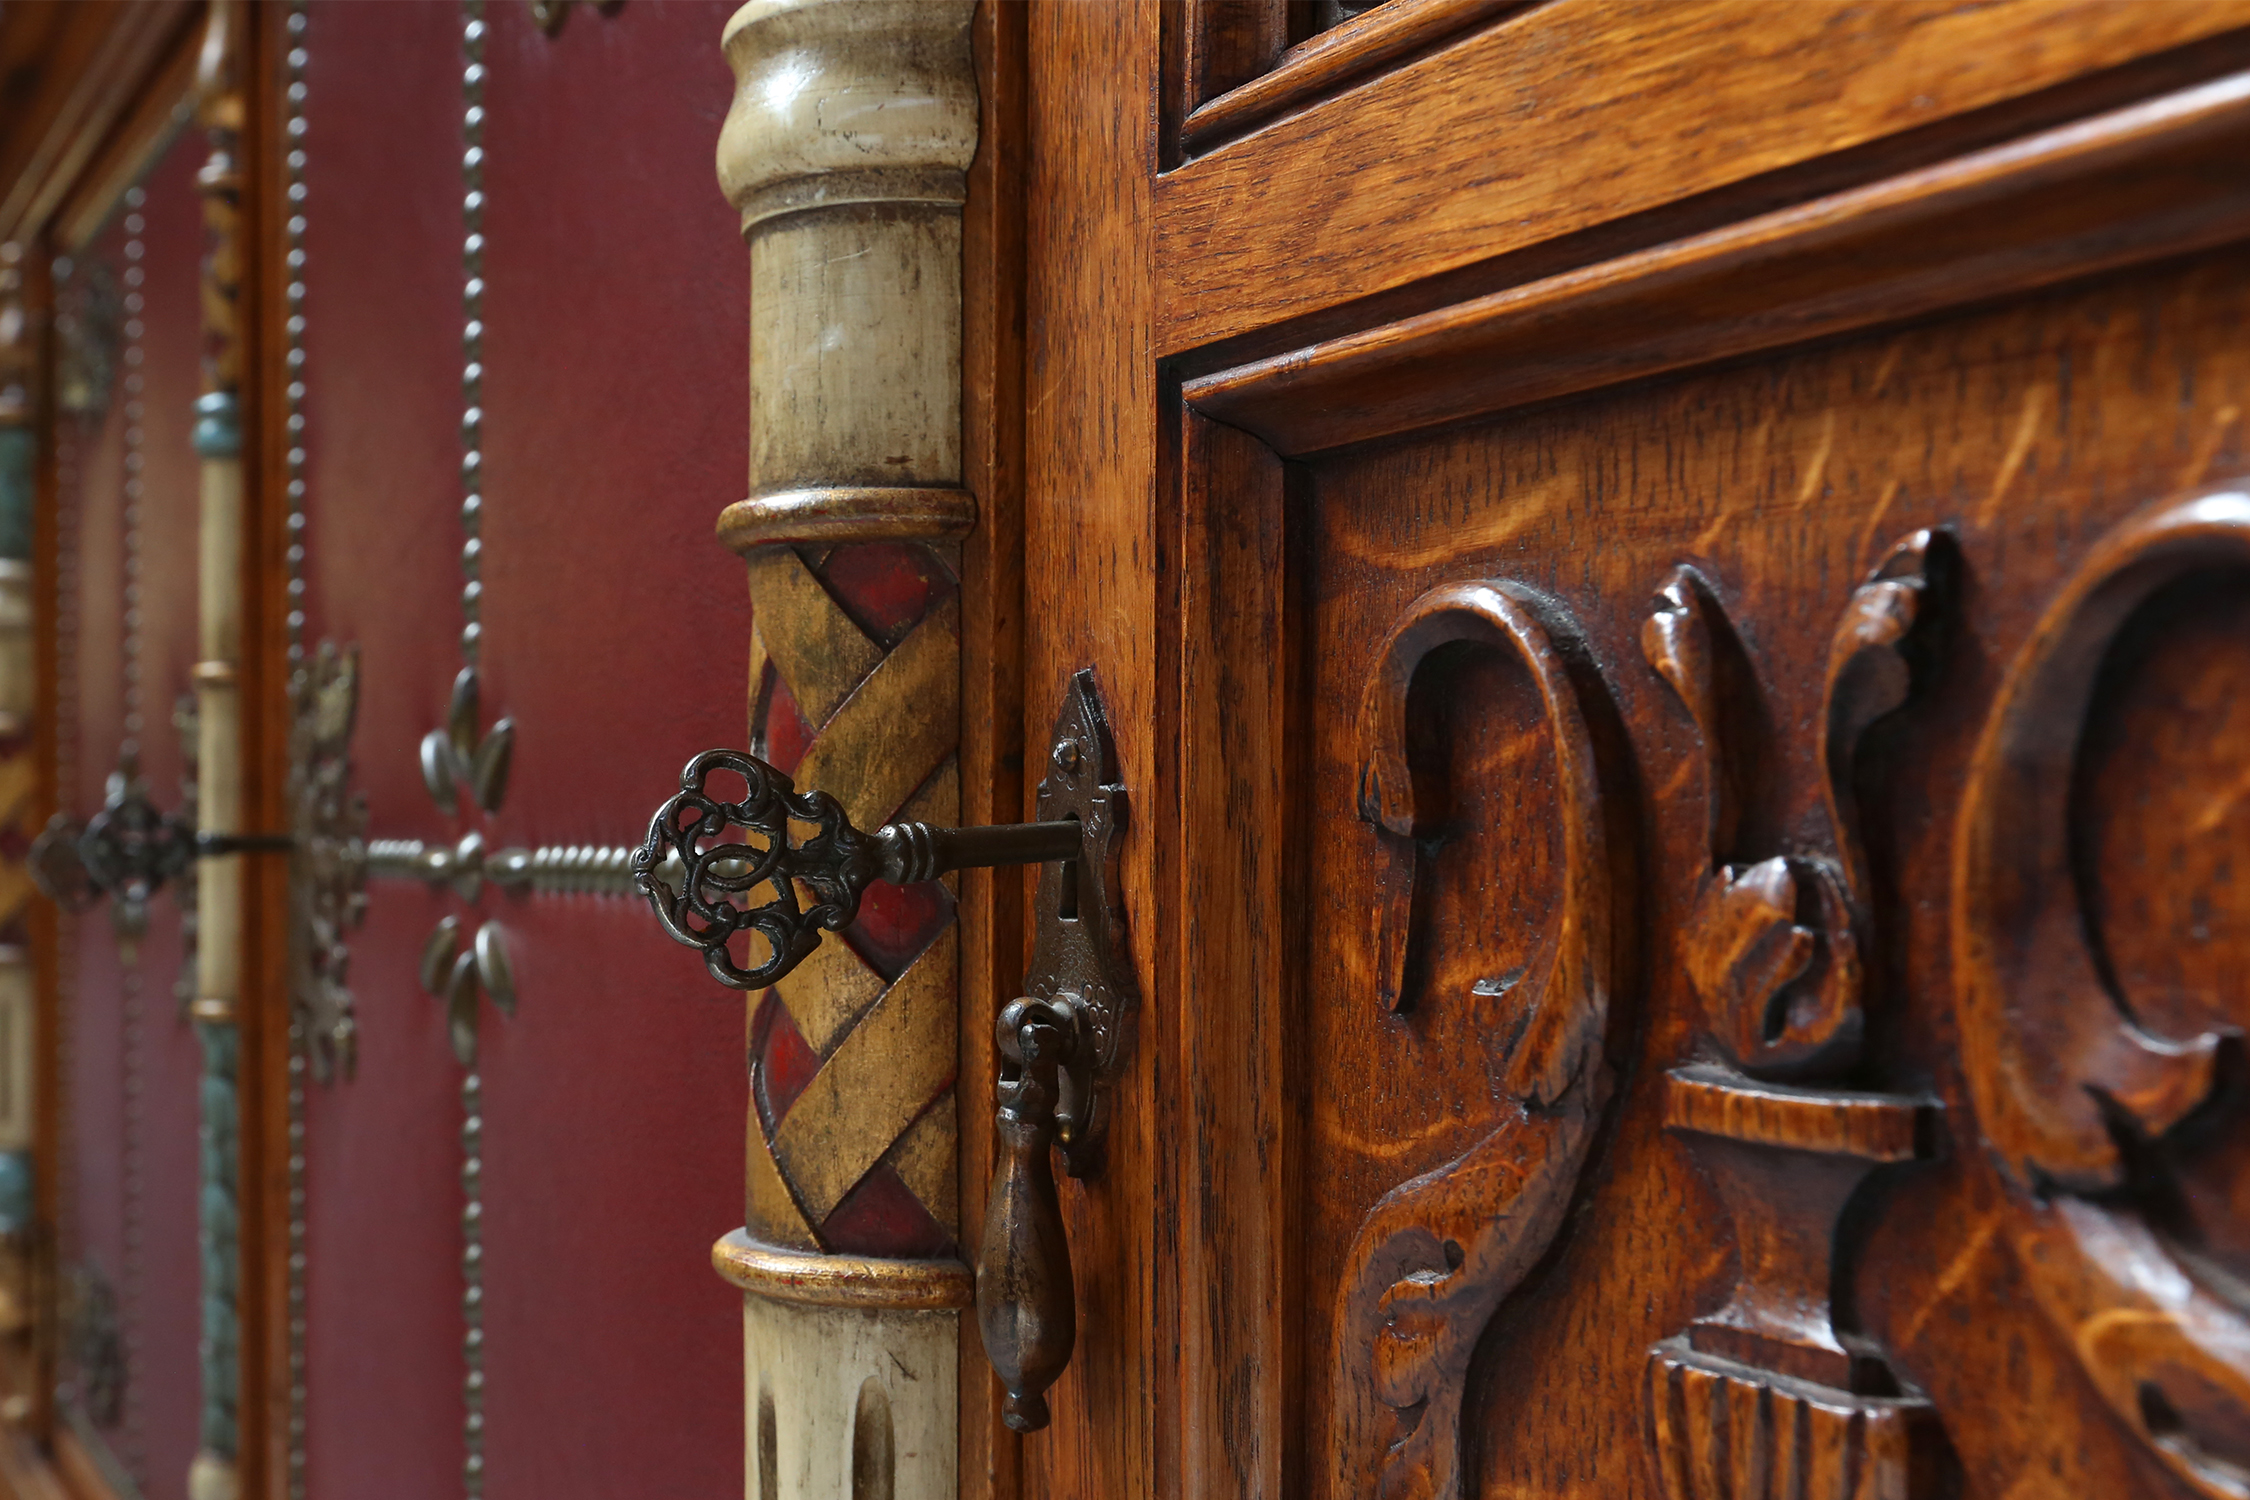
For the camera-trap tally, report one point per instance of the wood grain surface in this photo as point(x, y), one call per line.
point(1586, 111)
point(1094, 581)
point(1801, 357)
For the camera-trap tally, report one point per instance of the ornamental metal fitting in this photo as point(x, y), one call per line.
point(695, 877)
point(128, 851)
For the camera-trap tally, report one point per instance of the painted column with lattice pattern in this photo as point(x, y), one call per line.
point(847, 151)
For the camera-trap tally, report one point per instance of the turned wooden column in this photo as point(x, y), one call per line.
point(846, 152)
point(213, 1474)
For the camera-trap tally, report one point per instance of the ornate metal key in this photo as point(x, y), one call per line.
point(1060, 1042)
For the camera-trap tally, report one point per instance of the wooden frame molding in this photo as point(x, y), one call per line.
point(1247, 236)
point(2138, 183)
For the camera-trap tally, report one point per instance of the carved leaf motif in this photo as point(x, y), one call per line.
point(1775, 947)
point(1437, 1255)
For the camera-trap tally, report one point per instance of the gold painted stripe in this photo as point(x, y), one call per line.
point(831, 989)
point(925, 1160)
point(773, 1214)
point(841, 1280)
point(758, 659)
point(896, 727)
point(819, 649)
point(849, 513)
point(882, 1075)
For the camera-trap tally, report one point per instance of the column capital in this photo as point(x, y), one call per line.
point(841, 102)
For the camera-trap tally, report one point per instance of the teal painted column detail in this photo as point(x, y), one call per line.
point(219, 1235)
point(18, 446)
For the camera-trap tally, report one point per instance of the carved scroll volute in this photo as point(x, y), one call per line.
point(2059, 1070)
point(1436, 1256)
point(1776, 948)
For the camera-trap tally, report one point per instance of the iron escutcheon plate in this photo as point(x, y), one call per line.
point(1079, 948)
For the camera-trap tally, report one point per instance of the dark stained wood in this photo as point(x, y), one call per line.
point(1784, 482)
point(1227, 43)
point(1785, 1258)
point(2077, 1100)
point(993, 913)
point(73, 73)
point(154, 114)
point(1585, 111)
point(1436, 1255)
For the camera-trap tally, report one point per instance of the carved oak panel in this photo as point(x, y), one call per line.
point(1835, 1230)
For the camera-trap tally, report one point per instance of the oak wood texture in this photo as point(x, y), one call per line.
point(1233, 88)
point(2143, 181)
point(1608, 110)
point(2070, 1086)
point(1436, 1255)
point(993, 910)
point(1582, 302)
point(1093, 537)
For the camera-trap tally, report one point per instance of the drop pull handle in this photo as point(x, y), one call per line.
point(711, 853)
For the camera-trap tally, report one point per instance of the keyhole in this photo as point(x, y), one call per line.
point(1066, 905)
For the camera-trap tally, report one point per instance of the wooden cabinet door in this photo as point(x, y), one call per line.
point(1671, 583)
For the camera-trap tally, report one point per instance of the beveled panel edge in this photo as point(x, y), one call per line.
point(1565, 120)
point(828, 514)
point(814, 1279)
point(1345, 53)
point(2155, 179)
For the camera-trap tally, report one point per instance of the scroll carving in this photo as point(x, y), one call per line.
point(1436, 1256)
point(2075, 1098)
point(1767, 1397)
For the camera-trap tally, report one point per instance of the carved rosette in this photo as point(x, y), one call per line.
point(846, 151)
point(2079, 1105)
point(1767, 1398)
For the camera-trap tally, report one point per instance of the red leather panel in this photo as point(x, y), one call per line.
point(146, 1253)
point(382, 408)
point(614, 408)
